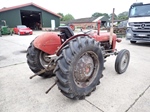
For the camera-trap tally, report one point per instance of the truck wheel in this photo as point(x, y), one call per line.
point(122, 61)
point(38, 60)
point(133, 42)
point(79, 67)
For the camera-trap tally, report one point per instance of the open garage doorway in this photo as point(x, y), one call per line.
point(31, 19)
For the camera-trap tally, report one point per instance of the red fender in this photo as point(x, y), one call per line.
point(48, 42)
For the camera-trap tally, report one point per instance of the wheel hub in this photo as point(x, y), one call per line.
point(84, 68)
point(124, 61)
point(45, 59)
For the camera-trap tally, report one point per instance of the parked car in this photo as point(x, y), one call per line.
point(22, 30)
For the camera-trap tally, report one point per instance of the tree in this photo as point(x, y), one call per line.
point(97, 14)
point(106, 15)
point(68, 17)
point(115, 16)
point(123, 15)
point(62, 15)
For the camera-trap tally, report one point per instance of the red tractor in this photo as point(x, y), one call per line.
point(76, 60)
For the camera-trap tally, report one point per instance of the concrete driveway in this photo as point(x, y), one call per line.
point(129, 92)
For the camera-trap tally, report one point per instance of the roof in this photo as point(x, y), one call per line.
point(119, 20)
point(28, 4)
point(86, 20)
point(81, 20)
point(99, 18)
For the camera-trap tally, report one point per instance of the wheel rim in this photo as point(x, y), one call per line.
point(44, 59)
point(86, 69)
point(124, 61)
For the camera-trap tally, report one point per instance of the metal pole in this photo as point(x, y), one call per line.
point(111, 28)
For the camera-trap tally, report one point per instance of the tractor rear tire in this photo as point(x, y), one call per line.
point(122, 61)
point(33, 60)
point(79, 67)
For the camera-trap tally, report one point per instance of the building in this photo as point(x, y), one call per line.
point(90, 22)
point(31, 15)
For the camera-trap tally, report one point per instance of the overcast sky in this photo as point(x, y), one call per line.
point(78, 8)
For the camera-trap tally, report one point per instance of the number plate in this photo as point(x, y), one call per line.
point(141, 35)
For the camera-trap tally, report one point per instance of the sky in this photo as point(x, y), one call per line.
point(78, 8)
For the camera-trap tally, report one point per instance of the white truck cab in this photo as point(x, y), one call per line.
point(138, 25)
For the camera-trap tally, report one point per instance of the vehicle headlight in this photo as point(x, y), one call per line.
point(129, 34)
point(30, 30)
point(130, 24)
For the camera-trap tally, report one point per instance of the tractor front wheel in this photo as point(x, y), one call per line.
point(38, 60)
point(79, 67)
point(122, 61)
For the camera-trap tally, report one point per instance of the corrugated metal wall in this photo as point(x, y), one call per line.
point(13, 17)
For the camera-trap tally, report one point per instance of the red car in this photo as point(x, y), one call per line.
point(22, 30)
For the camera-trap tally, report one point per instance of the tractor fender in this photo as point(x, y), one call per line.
point(48, 42)
point(75, 36)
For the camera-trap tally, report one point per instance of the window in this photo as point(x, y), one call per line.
point(141, 10)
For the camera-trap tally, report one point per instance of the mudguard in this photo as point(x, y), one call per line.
point(48, 42)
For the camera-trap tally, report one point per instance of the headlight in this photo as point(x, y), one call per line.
point(30, 30)
point(129, 34)
point(128, 25)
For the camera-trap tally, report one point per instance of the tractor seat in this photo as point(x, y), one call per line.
point(66, 30)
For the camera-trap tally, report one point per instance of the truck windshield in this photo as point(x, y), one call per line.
point(139, 11)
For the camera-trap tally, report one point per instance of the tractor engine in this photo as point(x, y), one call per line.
point(106, 45)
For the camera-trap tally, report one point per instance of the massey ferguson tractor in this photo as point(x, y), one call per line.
point(77, 61)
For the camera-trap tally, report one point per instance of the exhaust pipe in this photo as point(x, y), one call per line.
point(98, 27)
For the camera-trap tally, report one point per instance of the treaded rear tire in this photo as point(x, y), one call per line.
point(34, 61)
point(65, 65)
